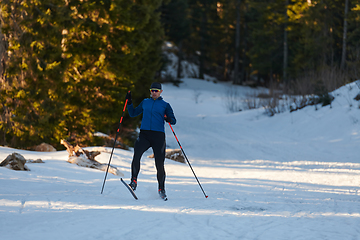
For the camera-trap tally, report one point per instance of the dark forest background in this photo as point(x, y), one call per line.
point(66, 65)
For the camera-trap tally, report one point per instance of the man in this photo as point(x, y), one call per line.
point(152, 133)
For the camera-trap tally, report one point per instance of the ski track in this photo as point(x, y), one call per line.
point(254, 209)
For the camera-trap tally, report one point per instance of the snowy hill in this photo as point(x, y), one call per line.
point(290, 176)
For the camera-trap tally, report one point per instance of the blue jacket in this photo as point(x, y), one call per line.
point(153, 113)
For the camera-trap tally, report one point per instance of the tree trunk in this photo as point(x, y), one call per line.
point(77, 151)
point(285, 64)
point(237, 45)
point(202, 42)
point(2, 57)
point(343, 55)
point(244, 72)
point(180, 57)
point(5, 115)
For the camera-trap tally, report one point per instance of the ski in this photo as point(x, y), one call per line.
point(130, 189)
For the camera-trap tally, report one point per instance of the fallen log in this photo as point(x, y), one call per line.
point(85, 158)
point(173, 154)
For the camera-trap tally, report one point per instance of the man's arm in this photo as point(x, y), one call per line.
point(133, 112)
point(170, 117)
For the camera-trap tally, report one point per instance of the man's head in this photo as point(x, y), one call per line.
point(155, 90)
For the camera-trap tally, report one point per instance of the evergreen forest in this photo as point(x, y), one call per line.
point(66, 65)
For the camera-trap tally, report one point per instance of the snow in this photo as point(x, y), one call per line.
point(290, 176)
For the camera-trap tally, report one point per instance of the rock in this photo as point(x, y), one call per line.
point(15, 161)
point(44, 147)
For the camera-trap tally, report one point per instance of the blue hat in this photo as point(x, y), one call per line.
point(156, 85)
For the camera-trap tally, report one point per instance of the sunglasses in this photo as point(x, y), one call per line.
point(154, 90)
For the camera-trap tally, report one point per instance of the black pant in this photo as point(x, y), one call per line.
point(148, 139)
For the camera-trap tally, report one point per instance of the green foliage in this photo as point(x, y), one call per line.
point(175, 20)
point(71, 64)
point(266, 37)
point(204, 32)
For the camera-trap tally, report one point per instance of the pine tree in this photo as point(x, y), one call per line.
point(33, 71)
point(176, 23)
point(71, 63)
point(266, 27)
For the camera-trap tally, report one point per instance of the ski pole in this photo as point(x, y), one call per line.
point(107, 169)
point(206, 196)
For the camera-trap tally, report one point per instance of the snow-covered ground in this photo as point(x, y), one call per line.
point(291, 176)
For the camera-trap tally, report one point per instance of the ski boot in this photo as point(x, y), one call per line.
point(133, 184)
point(162, 194)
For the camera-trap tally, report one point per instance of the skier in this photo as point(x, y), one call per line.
point(152, 133)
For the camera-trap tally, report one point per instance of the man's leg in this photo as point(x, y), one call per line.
point(141, 145)
point(158, 146)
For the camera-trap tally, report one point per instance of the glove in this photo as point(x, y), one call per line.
point(167, 119)
point(128, 97)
